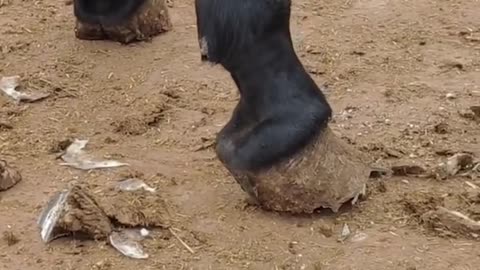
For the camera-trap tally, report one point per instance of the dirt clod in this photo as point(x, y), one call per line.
point(418, 203)
point(9, 176)
point(4, 126)
point(83, 215)
point(476, 111)
point(406, 170)
point(139, 123)
point(448, 222)
point(96, 214)
point(10, 238)
point(61, 146)
point(135, 208)
point(454, 165)
point(325, 229)
point(441, 128)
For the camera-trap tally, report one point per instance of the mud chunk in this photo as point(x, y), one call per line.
point(441, 128)
point(476, 111)
point(449, 64)
point(134, 208)
point(10, 238)
point(325, 229)
point(449, 152)
point(61, 146)
point(473, 113)
point(453, 165)
point(382, 150)
point(96, 214)
point(418, 203)
point(139, 123)
point(131, 125)
point(467, 114)
point(9, 176)
point(83, 215)
point(406, 169)
point(5, 126)
point(378, 172)
point(449, 222)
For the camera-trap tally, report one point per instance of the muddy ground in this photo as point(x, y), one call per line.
point(389, 67)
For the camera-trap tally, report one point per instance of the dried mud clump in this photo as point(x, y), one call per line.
point(10, 238)
point(60, 146)
point(476, 111)
point(4, 126)
point(472, 198)
point(83, 215)
point(139, 123)
point(452, 215)
point(407, 169)
point(450, 223)
point(134, 208)
point(9, 176)
point(415, 204)
point(96, 215)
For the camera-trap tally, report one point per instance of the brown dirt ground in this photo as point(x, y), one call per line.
point(388, 65)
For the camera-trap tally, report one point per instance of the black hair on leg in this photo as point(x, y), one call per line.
point(106, 12)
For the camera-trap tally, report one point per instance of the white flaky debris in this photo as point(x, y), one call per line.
point(77, 158)
point(127, 245)
point(134, 184)
point(8, 86)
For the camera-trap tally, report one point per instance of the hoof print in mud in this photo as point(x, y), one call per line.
point(121, 21)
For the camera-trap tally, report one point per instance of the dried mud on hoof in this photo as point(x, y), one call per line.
point(9, 176)
point(96, 215)
point(150, 20)
point(327, 174)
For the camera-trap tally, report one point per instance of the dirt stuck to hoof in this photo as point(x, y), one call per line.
point(150, 20)
point(326, 174)
point(9, 176)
